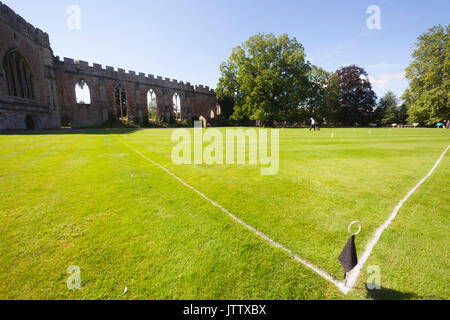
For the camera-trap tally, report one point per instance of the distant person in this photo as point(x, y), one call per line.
point(313, 124)
point(448, 124)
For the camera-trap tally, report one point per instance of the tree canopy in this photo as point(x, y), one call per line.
point(386, 102)
point(389, 111)
point(427, 97)
point(266, 78)
point(356, 97)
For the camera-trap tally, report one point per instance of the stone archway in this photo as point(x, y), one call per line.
point(82, 92)
point(176, 104)
point(152, 105)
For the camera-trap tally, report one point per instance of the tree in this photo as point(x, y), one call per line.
point(152, 107)
point(389, 112)
point(323, 96)
point(388, 102)
point(402, 113)
point(429, 86)
point(317, 91)
point(266, 78)
point(331, 104)
point(356, 97)
point(227, 90)
point(396, 114)
point(226, 105)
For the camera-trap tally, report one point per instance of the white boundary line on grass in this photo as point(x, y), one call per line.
point(353, 277)
point(306, 263)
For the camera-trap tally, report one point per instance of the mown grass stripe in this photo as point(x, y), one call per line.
point(353, 277)
point(325, 275)
point(354, 274)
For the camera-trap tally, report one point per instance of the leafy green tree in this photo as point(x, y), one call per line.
point(330, 109)
point(322, 101)
point(226, 103)
point(266, 78)
point(403, 113)
point(227, 90)
point(152, 110)
point(396, 114)
point(427, 97)
point(389, 111)
point(356, 97)
point(388, 102)
point(317, 92)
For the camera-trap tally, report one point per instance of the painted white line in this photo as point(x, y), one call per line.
point(353, 277)
point(354, 274)
point(338, 284)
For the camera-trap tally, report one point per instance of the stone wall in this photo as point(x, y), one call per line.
point(14, 113)
point(54, 82)
point(195, 101)
point(34, 46)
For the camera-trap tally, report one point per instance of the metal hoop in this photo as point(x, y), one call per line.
point(350, 228)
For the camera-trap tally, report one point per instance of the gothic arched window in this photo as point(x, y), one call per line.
point(18, 75)
point(177, 106)
point(120, 99)
point(152, 103)
point(82, 92)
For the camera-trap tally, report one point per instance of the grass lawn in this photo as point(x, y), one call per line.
point(83, 198)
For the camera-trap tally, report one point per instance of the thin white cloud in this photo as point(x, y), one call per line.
point(328, 54)
point(384, 80)
point(384, 65)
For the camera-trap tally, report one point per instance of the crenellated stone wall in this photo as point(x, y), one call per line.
point(55, 80)
point(195, 101)
point(16, 22)
point(33, 44)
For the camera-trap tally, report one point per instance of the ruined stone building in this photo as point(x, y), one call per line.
point(41, 91)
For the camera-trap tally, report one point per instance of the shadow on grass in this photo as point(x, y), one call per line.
point(389, 294)
point(69, 131)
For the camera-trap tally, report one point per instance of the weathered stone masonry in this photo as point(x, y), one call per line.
point(19, 37)
point(195, 101)
point(37, 89)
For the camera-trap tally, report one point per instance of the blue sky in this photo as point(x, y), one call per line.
point(187, 40)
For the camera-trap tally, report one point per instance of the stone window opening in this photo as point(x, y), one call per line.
point(19, 77)
point(152, 104)
point(120, 98)
point(177, 106)
point(82, 92)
